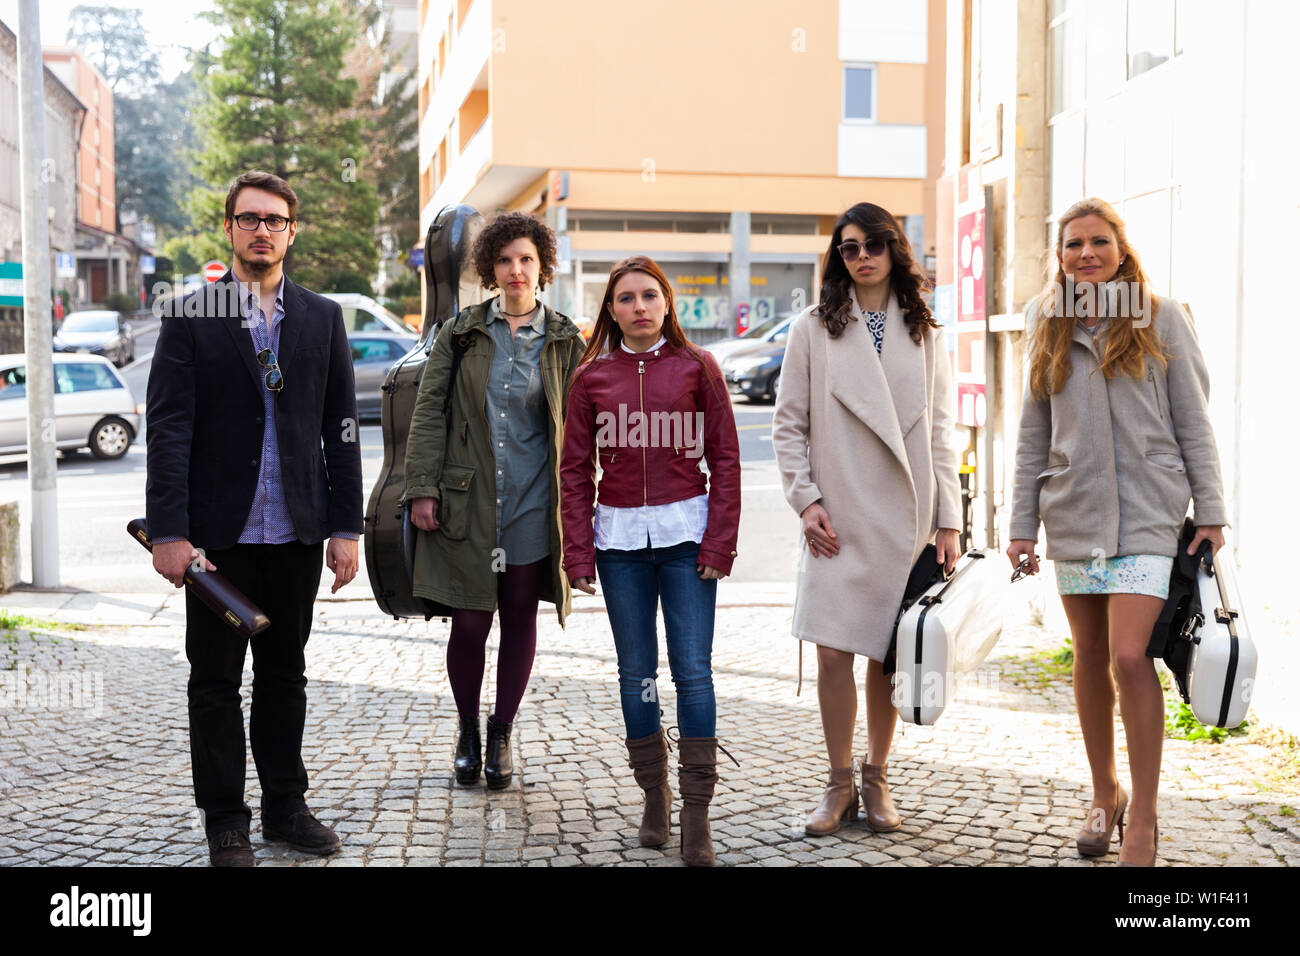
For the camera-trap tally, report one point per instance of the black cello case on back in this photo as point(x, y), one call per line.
point(451, 284)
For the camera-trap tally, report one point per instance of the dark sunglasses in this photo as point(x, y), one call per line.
point(851, 249)
point(274, 378)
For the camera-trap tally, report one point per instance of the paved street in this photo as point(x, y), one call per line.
point(98, 498)
point(1000, 780)
point(94, 755)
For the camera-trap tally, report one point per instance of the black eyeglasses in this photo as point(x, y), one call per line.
point(249, 222)
point(851, 249)
point(274, 377)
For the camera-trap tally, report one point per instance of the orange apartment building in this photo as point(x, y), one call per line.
point(720, 138)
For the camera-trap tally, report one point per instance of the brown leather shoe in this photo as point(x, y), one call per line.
point(839, 803)
point(231, 848)
point(1094, 839)
point(303, 832)
point(696, 777)
point(648, 758)
point(881, 815)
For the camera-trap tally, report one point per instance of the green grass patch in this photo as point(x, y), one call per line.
point(1063, 660)
point(1181, 723)
point(9, 621)
point(1042, 668)
point(11, 624)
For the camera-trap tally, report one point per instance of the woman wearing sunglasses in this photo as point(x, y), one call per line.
point(861, 435)
point(482, 479)
point(1115, 439)
point(651, 406)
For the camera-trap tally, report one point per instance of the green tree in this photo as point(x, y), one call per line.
point(115, 40)
point(154, 153)
point(274, 99)
point(387, 108)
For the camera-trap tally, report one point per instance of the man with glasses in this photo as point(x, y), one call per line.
point(253, 462)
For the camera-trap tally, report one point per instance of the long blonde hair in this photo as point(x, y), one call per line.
point(1130, 337)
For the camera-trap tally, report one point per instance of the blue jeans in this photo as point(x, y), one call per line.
point(634, 582)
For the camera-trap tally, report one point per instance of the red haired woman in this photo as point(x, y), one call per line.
point(1115, 438)
point(648, 404)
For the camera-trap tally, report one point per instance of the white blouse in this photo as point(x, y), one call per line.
point(651, 526)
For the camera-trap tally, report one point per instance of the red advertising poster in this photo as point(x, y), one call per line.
point(970, 266)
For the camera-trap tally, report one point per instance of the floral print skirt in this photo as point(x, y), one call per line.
point(1127, 574)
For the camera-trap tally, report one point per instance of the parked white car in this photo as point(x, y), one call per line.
point(363, 314)
point(93, 407)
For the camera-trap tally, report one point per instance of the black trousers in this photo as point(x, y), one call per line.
point(282, 580)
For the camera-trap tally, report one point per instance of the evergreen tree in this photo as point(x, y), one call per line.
point(275, 99)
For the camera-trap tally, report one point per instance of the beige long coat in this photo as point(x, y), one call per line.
point(868, 436)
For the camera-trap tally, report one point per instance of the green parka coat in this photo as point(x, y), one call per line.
point(455, 564)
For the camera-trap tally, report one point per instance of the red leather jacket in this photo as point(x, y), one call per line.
point(650, 416)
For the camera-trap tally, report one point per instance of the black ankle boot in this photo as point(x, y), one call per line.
point(469, 753)
point(498, 770)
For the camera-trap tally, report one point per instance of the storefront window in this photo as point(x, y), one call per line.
point(1106, 65)
point(1150, 34)
point(1065, 153)
point(1065, 64)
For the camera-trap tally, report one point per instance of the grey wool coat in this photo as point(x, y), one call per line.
point(869, 437)
point(1109, 465)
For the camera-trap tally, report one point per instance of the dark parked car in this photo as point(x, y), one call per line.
point(373, 354)
point(99, 332)
point(772, 330)
point(755, 371)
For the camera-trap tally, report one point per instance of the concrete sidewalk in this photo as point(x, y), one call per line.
point(94, 752)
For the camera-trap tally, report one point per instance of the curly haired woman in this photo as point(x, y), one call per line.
point(482, 478)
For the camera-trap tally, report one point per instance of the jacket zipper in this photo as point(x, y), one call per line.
point(640, 392)
point(1151, 377)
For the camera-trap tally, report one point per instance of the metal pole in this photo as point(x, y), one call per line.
point(41, 468)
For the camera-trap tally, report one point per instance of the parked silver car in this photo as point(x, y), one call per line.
point(363, 314)
point(373, 354)
point(93, 407)
point(99, 332)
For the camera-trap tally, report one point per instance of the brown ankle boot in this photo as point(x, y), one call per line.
point(648, 758)
point(696, 777)
point(839, 803)
point(881, 815)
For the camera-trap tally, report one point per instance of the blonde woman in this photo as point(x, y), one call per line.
point(1115, 438)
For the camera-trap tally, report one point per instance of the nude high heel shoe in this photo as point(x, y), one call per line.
point(1094, 840)
point(1155, 846)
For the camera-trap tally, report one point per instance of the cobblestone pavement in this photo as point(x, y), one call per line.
point(1000, 780)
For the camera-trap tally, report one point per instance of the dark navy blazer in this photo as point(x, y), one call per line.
point(205, 419)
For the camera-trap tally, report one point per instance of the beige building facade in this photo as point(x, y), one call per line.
point(1169, 110)
point(64, 117)
point(722, 138)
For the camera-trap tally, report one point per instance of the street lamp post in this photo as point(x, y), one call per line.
point(41, 467)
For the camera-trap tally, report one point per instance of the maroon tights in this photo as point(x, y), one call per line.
point(517, 595)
